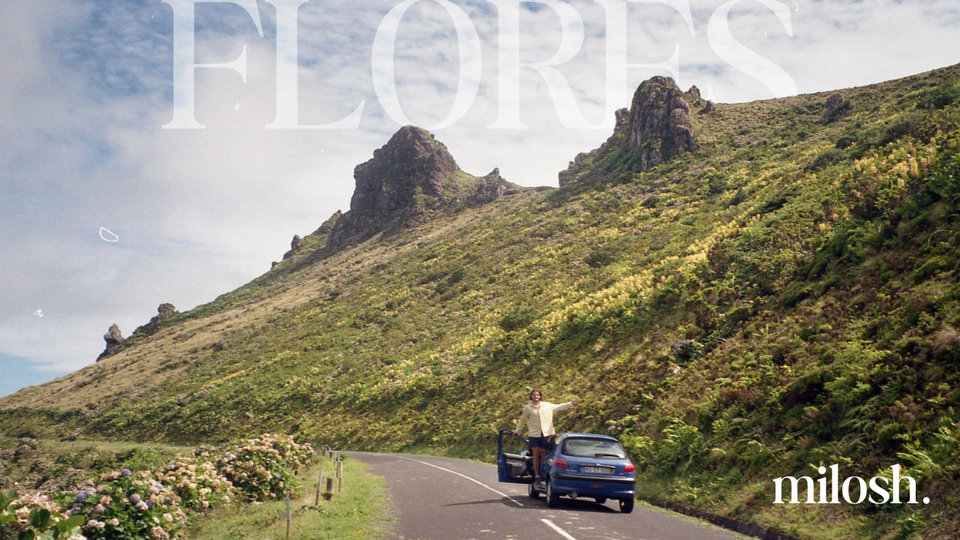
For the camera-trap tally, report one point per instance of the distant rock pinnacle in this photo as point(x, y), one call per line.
point(295, 246)
point(659, 123)
point(114, 339)
point(412, 174)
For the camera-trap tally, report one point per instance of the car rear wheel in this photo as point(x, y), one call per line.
point(553, 499)
point(532, 492)
point(626, 505)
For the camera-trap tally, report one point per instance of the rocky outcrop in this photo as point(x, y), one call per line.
point(164, 312)
point(404, 178)
point(835, 108)
point(114, 339)
point(295, 245)
point(489, 188)
point(412, 175)
point(659, 124)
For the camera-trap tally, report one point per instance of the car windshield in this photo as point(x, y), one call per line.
point(593, 448)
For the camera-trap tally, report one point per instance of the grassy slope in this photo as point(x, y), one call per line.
point(786, 296)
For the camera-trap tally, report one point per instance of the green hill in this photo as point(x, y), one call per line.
point(739, 292)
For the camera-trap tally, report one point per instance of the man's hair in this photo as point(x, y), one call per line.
point(537, 390)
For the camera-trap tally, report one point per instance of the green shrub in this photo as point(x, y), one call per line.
point(601, 256)
point(518, 318)
point(825, 159)
point(938, 98)
point(930, 267)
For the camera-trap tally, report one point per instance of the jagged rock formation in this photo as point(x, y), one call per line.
point(164, 312)
point(411, 175)
point(295, 246)
point(659, 123)
point(835, 108)
point(489, 188)
point(114, 339)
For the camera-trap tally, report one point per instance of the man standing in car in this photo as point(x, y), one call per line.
point(538, 415)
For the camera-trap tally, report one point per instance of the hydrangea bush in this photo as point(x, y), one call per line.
point(265, 468)
point(153, 505)
point(36, 517)
point(129, 506)
point(197, 482)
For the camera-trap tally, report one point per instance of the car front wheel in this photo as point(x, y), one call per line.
point(626, 505)
point(553, 499)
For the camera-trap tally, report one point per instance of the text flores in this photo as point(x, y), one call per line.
point(616, 32)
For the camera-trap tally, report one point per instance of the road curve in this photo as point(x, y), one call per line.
point(450, 499)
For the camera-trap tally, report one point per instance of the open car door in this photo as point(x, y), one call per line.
point(514, 460)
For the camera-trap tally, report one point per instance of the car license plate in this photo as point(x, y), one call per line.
point(596, 470)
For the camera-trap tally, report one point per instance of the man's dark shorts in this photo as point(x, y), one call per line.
point(541, 442)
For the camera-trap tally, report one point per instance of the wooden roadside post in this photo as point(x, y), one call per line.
point(319, 481)
point(339, 473)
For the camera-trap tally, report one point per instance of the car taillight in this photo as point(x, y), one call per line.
point(629, 468)
point(561, 463)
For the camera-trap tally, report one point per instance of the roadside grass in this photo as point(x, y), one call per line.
point(360, 510)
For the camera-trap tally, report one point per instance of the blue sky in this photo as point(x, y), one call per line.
point(21, 372)
point(85, 89)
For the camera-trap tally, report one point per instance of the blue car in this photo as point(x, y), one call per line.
point(577, 465)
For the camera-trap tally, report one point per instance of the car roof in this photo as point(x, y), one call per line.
point(588, 435)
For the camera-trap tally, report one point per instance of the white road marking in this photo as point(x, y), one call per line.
point(511, 499)
point(554, 526)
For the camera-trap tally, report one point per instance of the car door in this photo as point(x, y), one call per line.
point(514, 460)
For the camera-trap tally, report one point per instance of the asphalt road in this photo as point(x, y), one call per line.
point(450, 499)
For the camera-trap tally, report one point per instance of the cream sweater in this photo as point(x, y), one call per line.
point(540, 420)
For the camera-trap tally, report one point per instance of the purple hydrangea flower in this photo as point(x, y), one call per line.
point(125, 473)
point(135, 498)
point(151, 504)
point(82, 495)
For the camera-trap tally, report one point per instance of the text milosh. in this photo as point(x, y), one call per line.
point(885, 489)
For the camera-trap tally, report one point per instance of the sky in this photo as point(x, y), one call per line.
point(130, 176)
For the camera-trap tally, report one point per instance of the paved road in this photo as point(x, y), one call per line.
point(450, 499)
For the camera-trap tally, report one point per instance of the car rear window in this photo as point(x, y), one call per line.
point(593, 448)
